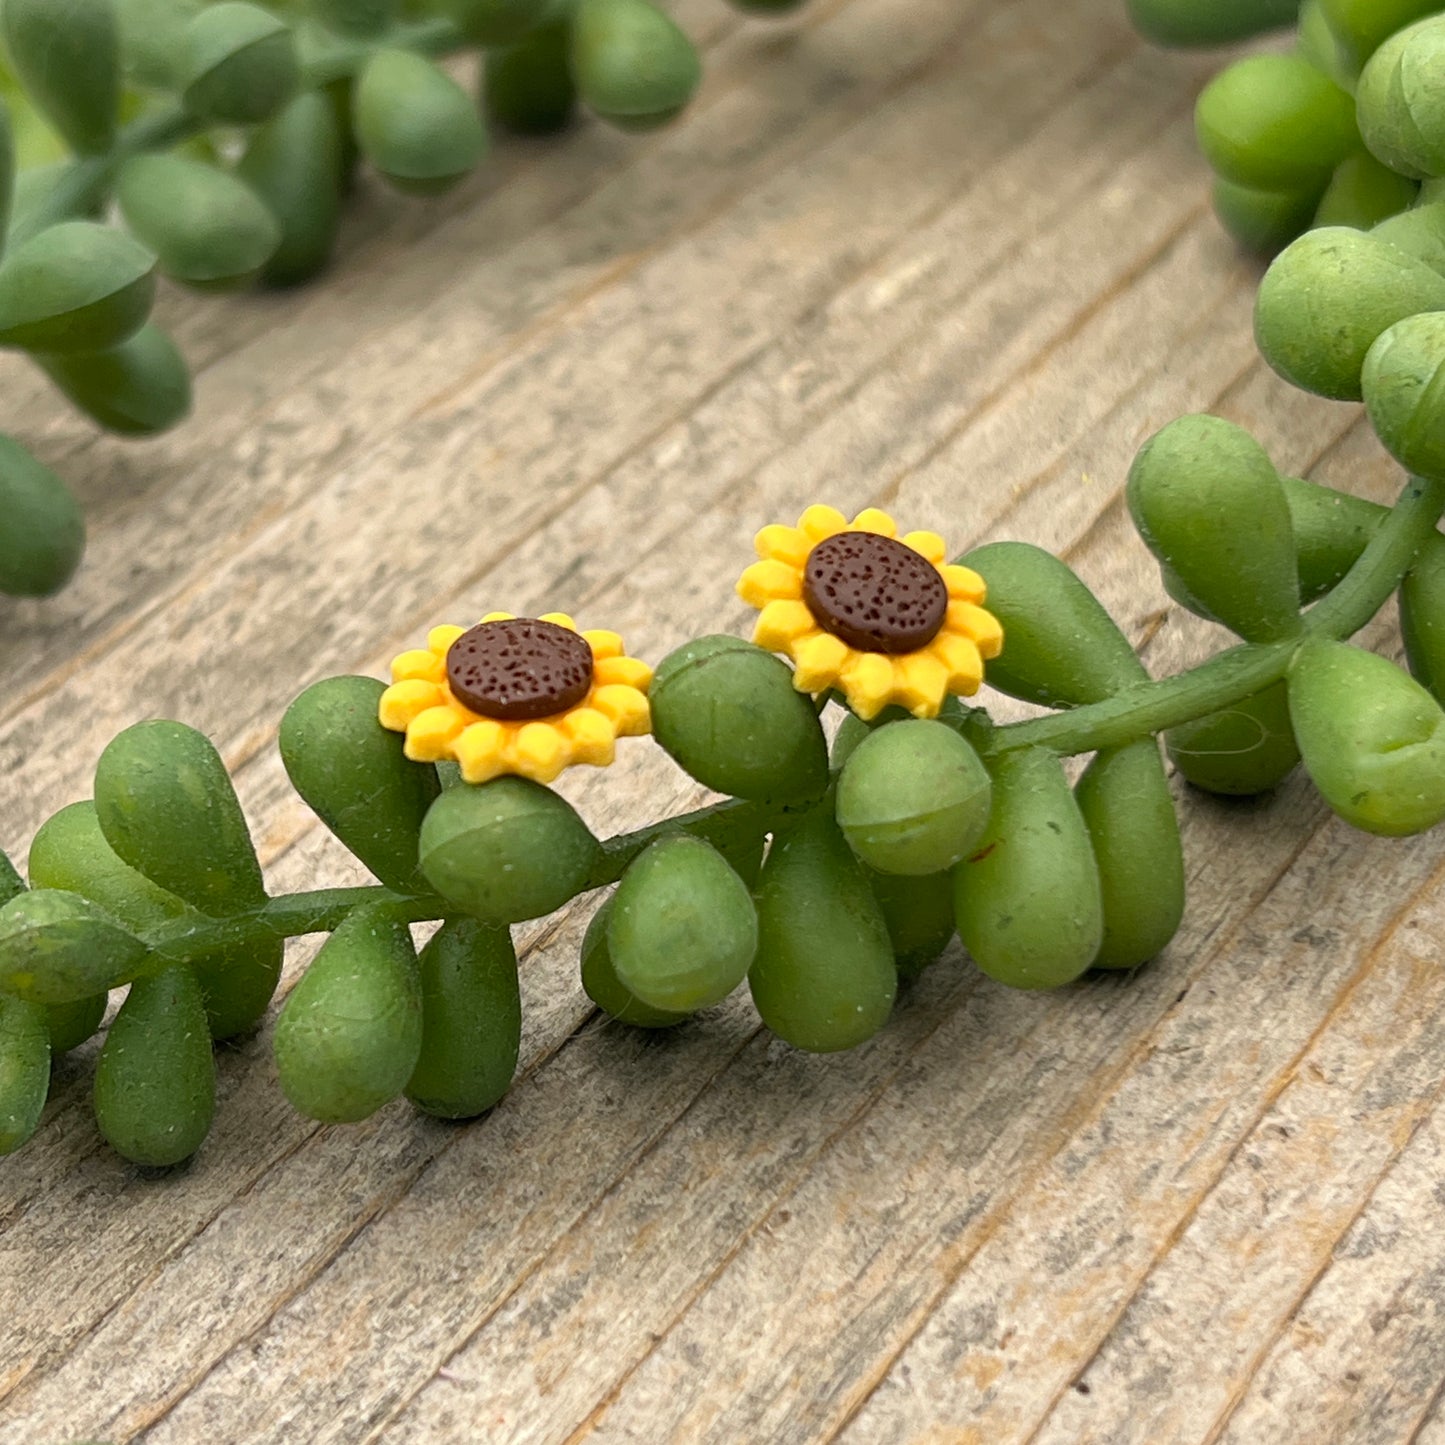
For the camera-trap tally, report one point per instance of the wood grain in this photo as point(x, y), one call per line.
point(946, 256)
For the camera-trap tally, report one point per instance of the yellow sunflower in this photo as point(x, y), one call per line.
point(882, 619)
point(528, 696)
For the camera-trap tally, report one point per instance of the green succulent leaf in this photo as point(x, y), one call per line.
point(78, 286)
point(67, 54)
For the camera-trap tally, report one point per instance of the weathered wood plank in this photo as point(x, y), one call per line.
point(1360, 1356)
point(306, 399)
point(1177, 1358)
point(327, 1312)
point(650, 1247)
point(709, 1236)
point(343, 662)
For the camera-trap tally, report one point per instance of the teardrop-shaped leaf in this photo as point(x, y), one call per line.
point(471, 1020)
point(1373, 739)
point(70, 852)
point(415, 124)
point(824, 978)
point(24, 1070)
point(1126, 804)
point(632, 64)
point(1062, 648)
point(1263, 221)
point(357, 778)
point(166, 805)
point(684, 930)
point(67, 54)
point(507, 850)
point(1029, 904)
point(606, 990)
point(1276, 123)
point(295, 164)
point(77, 286)
point(350, 1033)
point(138, 389)
point(43, 533)
point(207, 227)
point(1241, 750)
point(56, 947)
point(528, 87)
point(1404, 386)
point(1327, 297)
point(1210, 506)
point(241, 65)
point(1363, 192)
point(155, 1079)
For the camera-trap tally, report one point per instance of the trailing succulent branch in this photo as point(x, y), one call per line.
point(828, 872)
point(823, 879)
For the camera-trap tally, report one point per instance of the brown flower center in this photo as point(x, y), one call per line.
point(874, 593)
point(520, 670)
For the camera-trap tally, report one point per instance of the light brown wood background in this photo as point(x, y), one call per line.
point(950, 256)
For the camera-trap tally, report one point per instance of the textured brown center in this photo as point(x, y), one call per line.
point(874, 593)
point(520, 670)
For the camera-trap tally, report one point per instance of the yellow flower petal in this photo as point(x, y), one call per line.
point(769, 581)
point(783, 544)
point(440, 639)
point(430, 734)
point(421, 663)
point(559, 619)
point(782, 624)
point(499, 617)
point(479, 750)
point(973, 622)
point(630, 671)
point(817, 661)
point(928, 544)
point(867, 681)
point(402, 701)
point(625, 706)
point(538, 751)
point(963, 583)
point(961, 657)
point(920, 683)
point(592, 736)
point(870, 519)
point(603, 644)
point(819, 523)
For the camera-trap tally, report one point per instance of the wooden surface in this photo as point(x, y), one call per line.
point(950, 256)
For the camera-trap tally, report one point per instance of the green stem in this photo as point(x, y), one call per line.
point(724, 825)
point(289, 915)
point(1149, 707)
point(1232, 676)
point(1381, 567)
